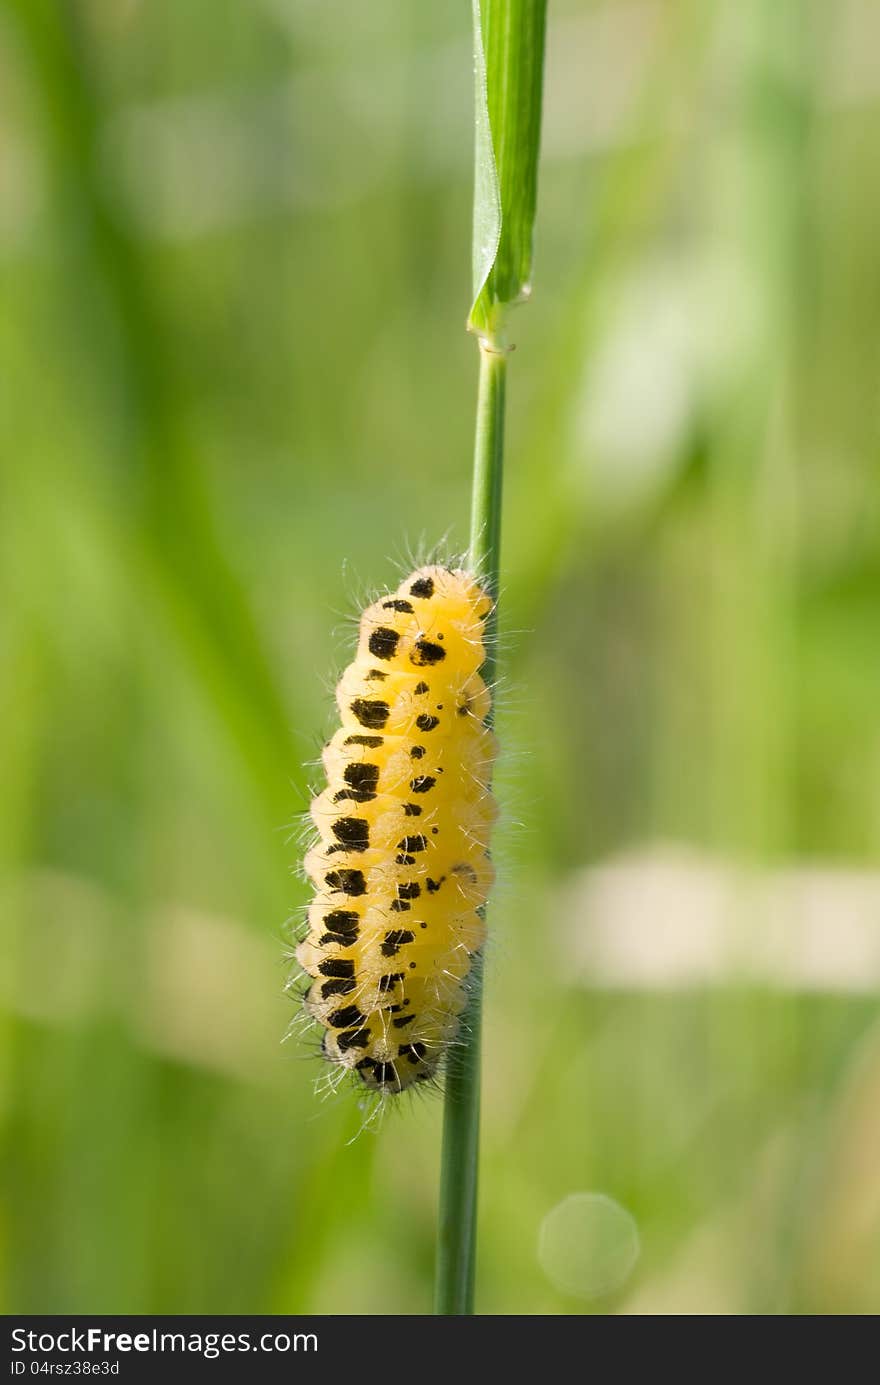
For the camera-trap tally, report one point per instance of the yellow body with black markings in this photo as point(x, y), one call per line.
point(401, 866)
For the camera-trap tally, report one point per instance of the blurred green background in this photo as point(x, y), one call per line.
point(234, 389)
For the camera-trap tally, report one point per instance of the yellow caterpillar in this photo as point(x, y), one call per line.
point(400, 867)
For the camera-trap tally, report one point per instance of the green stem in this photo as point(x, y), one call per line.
point(457, 1232)
point(488, 467)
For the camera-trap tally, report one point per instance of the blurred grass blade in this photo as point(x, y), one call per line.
point(508, 69)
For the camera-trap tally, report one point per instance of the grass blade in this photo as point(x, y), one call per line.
point(508, 64)
point(508, 69)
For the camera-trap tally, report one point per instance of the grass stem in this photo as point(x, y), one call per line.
point(457, 1231)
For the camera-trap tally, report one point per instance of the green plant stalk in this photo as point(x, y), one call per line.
point(457, 1230)
point(508, 82)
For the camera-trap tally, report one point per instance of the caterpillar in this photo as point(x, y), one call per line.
point(400, 866)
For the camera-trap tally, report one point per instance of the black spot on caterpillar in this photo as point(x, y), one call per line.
point(352, 834)
point(336, 966)
point(369, 713)
point(350, 882)
point(383, 643)
point(361, 780)
point(395, 940)
point(346, 1017)
point(342, 927)
point(426, 651)
point(412, 843)
point(340, 985)
point(387, 983)
point(385, 1075)
point(422, 783)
